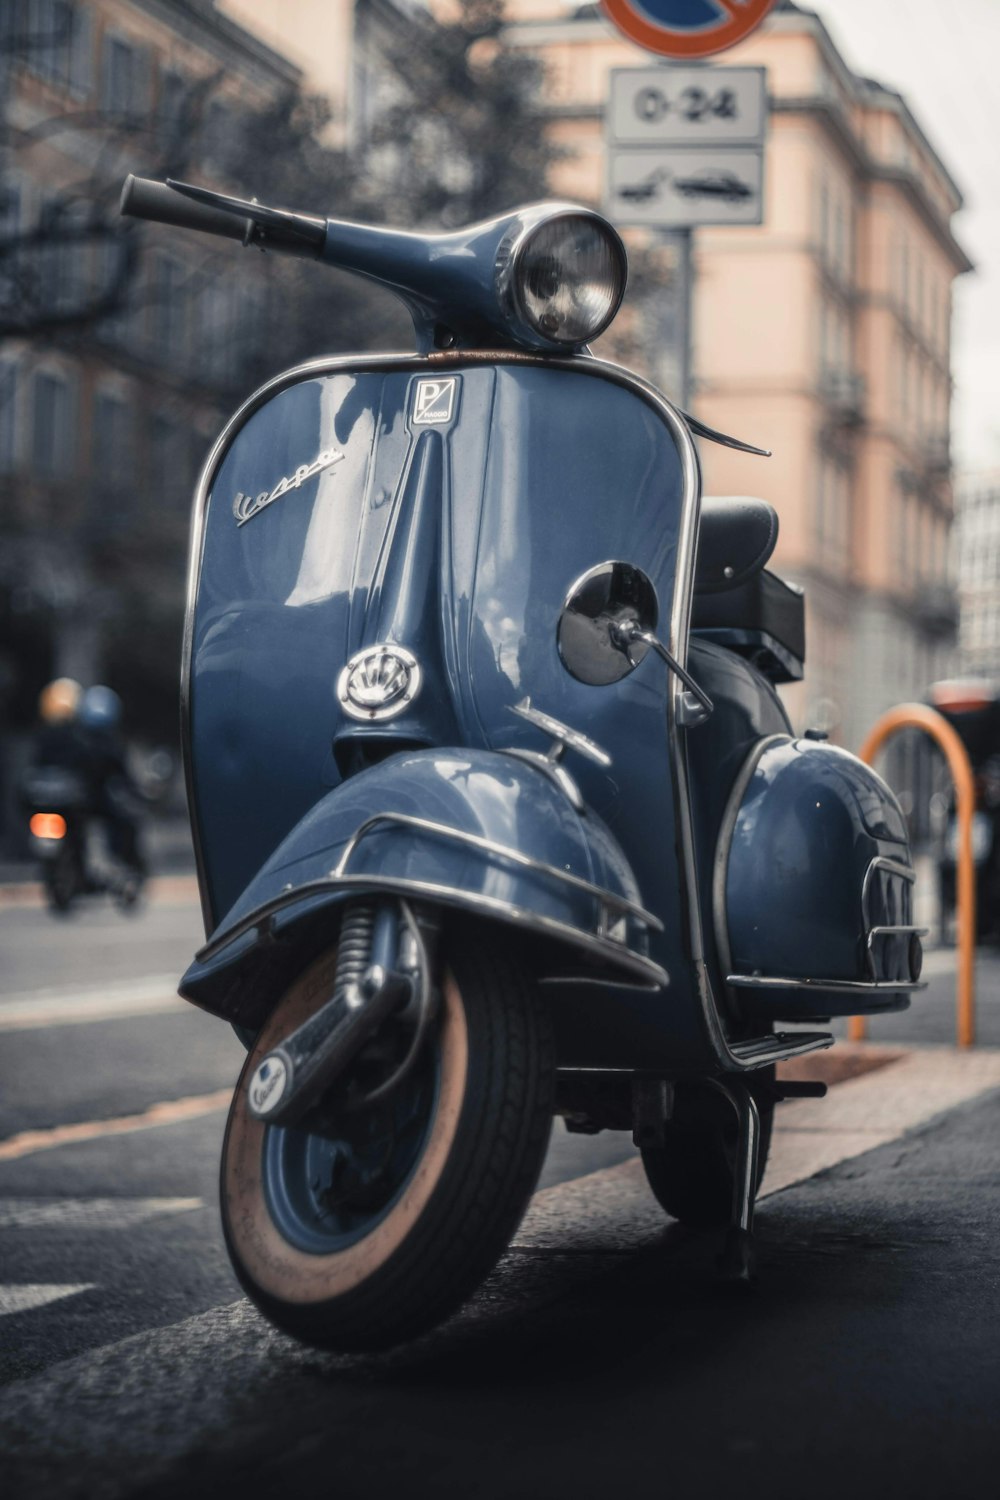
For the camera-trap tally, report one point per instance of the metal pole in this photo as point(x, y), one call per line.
point(685, 318)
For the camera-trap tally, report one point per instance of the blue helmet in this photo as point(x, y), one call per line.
point(100, 708)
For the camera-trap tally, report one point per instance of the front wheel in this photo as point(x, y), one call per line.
point(377, 1227)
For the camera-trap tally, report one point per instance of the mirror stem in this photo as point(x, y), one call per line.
point(697, 713)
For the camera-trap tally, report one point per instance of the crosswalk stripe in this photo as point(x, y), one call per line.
point(154, 994)
point(88, 1213)
point(30, 1295)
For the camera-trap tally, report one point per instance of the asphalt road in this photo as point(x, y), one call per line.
point(601, 1355)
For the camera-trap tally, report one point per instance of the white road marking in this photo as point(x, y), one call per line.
point(88, 1213)
point(26, 1297)
point(153, 994)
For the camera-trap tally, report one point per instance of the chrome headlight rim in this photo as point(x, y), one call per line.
point(509, 285)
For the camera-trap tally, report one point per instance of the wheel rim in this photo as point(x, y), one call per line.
point(325, 1192)
point(263, 1251)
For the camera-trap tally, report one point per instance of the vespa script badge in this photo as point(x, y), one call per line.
point(245, 507)
point(378, 682)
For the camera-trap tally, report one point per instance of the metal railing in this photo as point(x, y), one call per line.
point(919, 716)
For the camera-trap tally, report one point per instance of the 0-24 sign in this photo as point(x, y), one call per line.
point(686, 28)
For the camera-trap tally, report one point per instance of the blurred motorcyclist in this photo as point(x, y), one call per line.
point(115, 798)
point(59, 741)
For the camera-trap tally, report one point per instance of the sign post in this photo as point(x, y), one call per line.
point(685, 147)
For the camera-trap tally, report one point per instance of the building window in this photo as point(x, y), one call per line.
point(112, 454)
point(823, 216)
point(169, 307)
point(123, 77)
point(169, 459)
point(170, 104)
point(64, 257)
point(47, 40)
point(833, 509)
point(8, 416)
point(53, 436)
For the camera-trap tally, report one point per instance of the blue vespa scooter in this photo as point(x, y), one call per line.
point(497, 811)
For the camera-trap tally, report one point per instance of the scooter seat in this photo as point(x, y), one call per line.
point(736, 537)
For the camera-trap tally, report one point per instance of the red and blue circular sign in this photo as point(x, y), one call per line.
point(686, 28)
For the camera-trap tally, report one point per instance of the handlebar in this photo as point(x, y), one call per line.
point(190, 207)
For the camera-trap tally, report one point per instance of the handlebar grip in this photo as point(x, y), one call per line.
point(144, 199)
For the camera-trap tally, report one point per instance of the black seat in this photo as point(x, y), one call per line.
point(736, 537)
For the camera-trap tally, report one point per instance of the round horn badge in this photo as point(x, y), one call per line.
point(378, 682)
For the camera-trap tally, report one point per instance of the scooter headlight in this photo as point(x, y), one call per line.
point(563, 278)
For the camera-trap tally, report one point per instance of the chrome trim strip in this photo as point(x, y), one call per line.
point(723, 848)
point(502, 851)
point(556, 773)
point(598, 1072)
point(894, 867)
point(764, 1050)
point(834, 986)
point(874, 932)
point(655, 978)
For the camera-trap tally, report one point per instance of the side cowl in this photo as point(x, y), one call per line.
point(477, 831)
point(813, 887)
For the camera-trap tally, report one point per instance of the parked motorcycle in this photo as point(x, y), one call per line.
point(497, 812)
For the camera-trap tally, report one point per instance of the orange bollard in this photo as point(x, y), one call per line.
point(919, 716)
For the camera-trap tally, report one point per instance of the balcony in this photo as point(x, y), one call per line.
point(935, 607)
point(936, 456)
point(843, 391)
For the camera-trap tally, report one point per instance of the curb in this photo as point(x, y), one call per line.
point(161, 890)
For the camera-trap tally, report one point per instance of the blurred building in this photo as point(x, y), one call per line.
point(977, 554)
point(339, 48)
point(823, 335)
point(115, 369)
point(117, 362)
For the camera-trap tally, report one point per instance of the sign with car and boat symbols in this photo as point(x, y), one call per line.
point(680, 189)
point(686, 146)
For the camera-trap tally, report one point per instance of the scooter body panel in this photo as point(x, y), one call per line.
point(814, 886)
point(458, 539)
point(471, 830)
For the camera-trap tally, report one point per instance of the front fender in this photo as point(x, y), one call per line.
point(475, 830)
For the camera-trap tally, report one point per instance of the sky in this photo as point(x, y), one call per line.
point(945, 59)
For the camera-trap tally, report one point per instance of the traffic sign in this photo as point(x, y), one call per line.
point(682, 187)
point(686, 28)
point(681, 106)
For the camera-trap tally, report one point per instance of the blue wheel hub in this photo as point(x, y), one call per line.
point(327, 1189)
